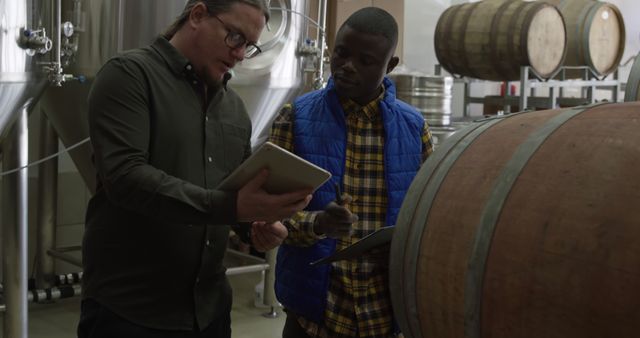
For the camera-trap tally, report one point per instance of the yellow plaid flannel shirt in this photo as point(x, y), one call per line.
point(358, 303)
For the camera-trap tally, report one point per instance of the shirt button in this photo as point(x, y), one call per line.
point(210, 159)
point(206, 118)
point(197, 280)
point(189, 67)
point(207, 243)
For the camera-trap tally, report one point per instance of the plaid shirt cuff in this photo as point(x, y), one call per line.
point(300, 228)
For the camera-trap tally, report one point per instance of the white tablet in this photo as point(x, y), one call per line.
point(287, 171)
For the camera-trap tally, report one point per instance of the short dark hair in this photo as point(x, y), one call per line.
point(376, 21)
point(214, 7)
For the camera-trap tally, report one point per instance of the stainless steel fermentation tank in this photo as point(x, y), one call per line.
point(104, 28)
point(20, 78)
point(24, 52)
point(101, 29)
point(108, 27)
point(275, 77)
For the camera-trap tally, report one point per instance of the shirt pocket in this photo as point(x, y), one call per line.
point(235, 140)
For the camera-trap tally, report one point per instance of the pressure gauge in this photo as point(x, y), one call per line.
point(67, 29)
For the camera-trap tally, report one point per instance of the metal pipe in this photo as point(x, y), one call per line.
point(69, 278)
point(68, 248)
point(47, 193)
point(524, 85)
point(320, 32)
point(58, 280)
point(270, 282)
point(62, 279)
point(50, 294)
point(121, 23)
point(305, 24)
point(322, 43)
point(65, 257)
point(246, 269)
point(15, 223)
point(54, 293)
point(58, 37)
point(77, 14)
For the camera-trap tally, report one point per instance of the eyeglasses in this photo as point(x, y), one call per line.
point(235, 40)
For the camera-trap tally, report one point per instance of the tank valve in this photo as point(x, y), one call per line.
point(308, 48)
point(71, 77)
point(34, 41)
point(57, 77)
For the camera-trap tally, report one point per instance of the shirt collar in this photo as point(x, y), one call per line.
point(174, 59)
point(371, 110)
point(177, 62)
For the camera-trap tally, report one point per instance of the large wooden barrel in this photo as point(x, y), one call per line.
point(632, 91)
point(492, 39)
point(595, 35)
point(525, 226)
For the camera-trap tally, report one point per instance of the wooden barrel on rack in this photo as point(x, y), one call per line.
point(524, 226)
point(492, 39)
point(632, 90)
point(595, 35)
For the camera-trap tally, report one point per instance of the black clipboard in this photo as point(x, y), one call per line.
point(378, 238)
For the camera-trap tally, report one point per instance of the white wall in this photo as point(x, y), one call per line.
point(420, 19)
point(630, 10)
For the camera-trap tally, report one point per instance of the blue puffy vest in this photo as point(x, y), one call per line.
point(320, 136)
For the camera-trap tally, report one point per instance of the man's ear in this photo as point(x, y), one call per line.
point(392, 64)
point(198, 13)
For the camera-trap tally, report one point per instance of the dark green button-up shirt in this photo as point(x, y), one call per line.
point(155, 230)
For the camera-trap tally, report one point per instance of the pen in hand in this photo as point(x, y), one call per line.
point(336, 219)
point(342, 199)
point(339, 199)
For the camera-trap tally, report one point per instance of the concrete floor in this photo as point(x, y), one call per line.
point(59, 320)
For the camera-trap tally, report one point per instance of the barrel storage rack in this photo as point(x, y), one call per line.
point(530, 81)
point(550, 45)
point(632, 91)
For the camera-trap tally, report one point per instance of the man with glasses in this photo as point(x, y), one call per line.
point(236, 40)
point(166, 130)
